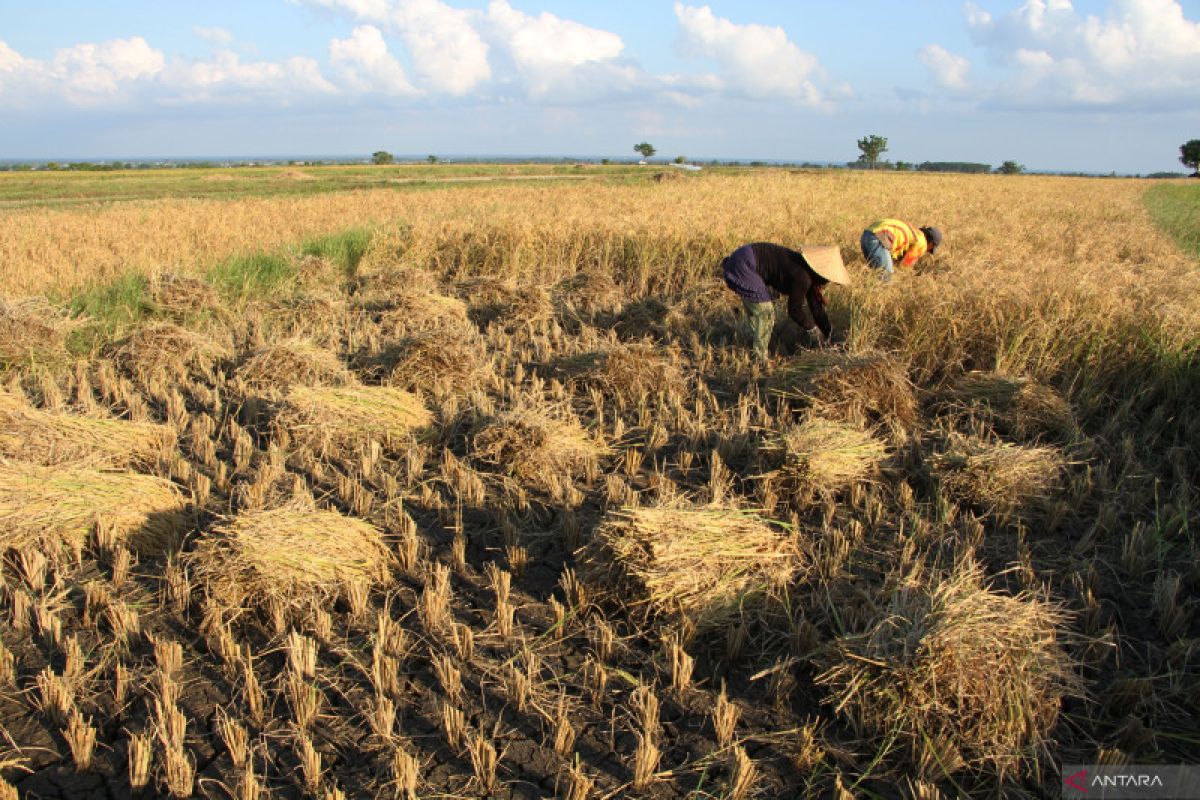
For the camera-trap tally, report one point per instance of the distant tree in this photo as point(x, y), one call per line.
point(646, 149)
point(382, 157)
point(1189, 155)
point(606, 161)
point(953, 166)
point(432, 159)
point(1010, 168)
point(872, 148)
point(680, 159)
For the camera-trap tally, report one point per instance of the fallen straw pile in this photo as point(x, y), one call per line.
point(865, 388)
point(963, 676)
point(63, 506)
point(589, 292)
point(1018, 407)
point(997, 476)
point(340, 422)
point(44, 437)
point(705, 564)
point(32, 331)
point(535, 448)
point(491, 299)
point(180, 296)
point(448, 359)
point(627, 372)
point(294, 555)
point(820, 457)
point(412, 312)
point(295, 362)
point(166, 351)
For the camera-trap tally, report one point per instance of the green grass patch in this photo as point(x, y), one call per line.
point(107, 309)
point(242, 277)
point(345, 249)
point(1176, 209)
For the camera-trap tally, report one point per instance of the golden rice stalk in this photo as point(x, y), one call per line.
point(167, 350)
point(1016, 406)
point(628, 372)
point(47, 438)
point(866, 388)
point(63, 505)
point(291, 555)
point(428, 359)
point(997, 477)
point(376, 289)
point(820, 457)
point(32, 331)
point(343, 422)
point(295, 362)
point(703, 564)
point(952, 662)
point(535, 448)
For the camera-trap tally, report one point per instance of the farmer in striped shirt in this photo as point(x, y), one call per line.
point(754, 270)
point(891, 241)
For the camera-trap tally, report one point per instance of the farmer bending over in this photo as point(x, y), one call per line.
point(891, 240)
point(753, 270)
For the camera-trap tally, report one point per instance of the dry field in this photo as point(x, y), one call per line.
point(473, 492)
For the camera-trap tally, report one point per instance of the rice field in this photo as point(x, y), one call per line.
point(378, 491)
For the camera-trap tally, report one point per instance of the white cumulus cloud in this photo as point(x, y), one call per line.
point(949, 70)
point(757, 60)
point(446, 50)
point(365, 64)
point(88, 71)
point(215, 35)
point(225, 75)
point(1139, 55)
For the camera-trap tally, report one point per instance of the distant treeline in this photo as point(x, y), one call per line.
point(925, 166)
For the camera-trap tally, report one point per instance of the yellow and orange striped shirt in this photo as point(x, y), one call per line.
point(903, 241)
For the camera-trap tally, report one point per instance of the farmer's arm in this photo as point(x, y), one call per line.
point(798, 305)
point(914, 253)
point(816, 304)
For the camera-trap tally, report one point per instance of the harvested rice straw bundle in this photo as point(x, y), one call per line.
point(46, 438)
point(535, 448)
point(705, 563)
point(62, 505)
point(821, 457)
point(340, 422)
point(32, 331)
point(320, 317)
point(491, 299)
point(964, 677)
point(589, 292)
point(997, 476)
point(412, 312)
point(628, 372)
point(166, 350)
point(1019, 407)
point(295, 554)
point(295, 362)
point(180, 296)
point(710, 310)
point(376, 291)
point(431, 359)
point(868, 388)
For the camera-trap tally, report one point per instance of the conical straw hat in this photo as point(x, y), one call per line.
point(826, 261)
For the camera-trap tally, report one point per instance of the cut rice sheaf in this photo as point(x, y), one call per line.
point(32, 331)
point(341, 421)
point(705, 564)
point(961, 675)
point(866, 388)
point(295, 362)
point(628, 372)
point(1016, 406)
point(63, 505)
point(997, 476)
point(821, 457)
point(45, 437)
point(165, 350)
point(295, 554)
point(535, 448)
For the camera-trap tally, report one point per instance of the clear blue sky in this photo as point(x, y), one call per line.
point(1099, 85)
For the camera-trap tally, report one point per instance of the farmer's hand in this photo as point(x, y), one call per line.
point(816, 338)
